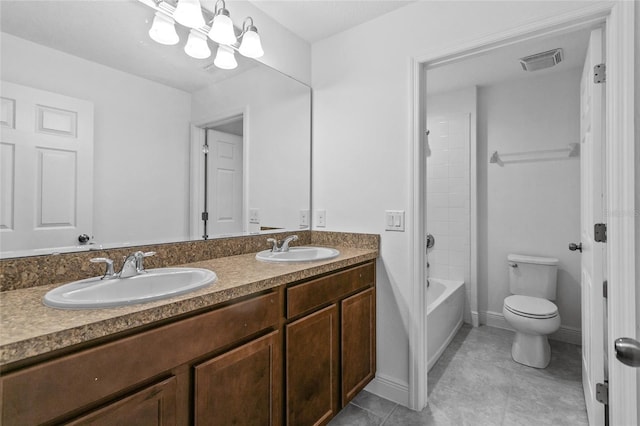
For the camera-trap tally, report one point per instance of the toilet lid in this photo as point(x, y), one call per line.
point(532, 307)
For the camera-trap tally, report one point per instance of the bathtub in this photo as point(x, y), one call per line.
point(445, 304)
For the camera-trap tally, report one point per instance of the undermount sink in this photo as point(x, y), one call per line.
point(154, 284)
point(298, 254)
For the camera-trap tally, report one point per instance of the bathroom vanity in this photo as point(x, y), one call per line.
point(267, 344)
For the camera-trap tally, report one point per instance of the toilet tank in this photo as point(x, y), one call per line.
point(533, 276)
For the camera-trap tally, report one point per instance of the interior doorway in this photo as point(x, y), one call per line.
point(619, 35)
point(219, 178)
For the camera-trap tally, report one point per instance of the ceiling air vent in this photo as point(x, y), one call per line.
point(541, 60)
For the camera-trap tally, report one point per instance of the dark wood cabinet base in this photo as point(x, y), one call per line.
point(294, 355)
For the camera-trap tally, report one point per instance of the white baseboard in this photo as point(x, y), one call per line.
point(565, 334)
point(389, 388)
point(569, 335)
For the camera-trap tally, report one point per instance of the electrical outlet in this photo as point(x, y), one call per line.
point(321, 218)
point(254, 216)
point(304, 218)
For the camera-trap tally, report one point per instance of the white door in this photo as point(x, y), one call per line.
point(46, 155)
point(592, 204)
point(225, 183)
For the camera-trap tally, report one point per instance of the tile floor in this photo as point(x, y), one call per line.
point(475, 382)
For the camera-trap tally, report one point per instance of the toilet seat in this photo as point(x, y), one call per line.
point(530, 307)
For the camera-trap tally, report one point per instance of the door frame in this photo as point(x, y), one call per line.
point(619, 34)
point(196, 177)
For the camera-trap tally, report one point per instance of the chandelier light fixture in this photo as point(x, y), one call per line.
point(219, 29)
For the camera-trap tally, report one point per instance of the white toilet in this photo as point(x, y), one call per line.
point(532, 281)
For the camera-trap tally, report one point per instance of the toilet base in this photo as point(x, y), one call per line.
point(531, 350)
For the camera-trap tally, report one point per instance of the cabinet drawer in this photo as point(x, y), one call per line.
point(52, 389)
point(305, 297)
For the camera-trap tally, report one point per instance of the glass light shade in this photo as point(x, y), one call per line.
point(222, 29)
point(251, 47)
point(189, 14)
point(197, 46)
point(163, 30)
point(225, 58)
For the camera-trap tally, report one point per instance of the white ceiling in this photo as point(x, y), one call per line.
point(503, 64)
point(314, 20)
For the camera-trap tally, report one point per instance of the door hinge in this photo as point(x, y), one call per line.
point(599, 73)
point(605, 284)
point(600, 232)
point(602, 392)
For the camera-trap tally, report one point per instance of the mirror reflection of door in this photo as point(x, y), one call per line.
point(46, 178)
point(225, 179)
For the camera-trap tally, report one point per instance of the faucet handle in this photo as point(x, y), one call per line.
point(274, 244)
point(139, 259)
point(109, 272)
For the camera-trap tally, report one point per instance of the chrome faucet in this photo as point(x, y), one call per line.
point(275, 248)
point(287, 241)
point(133, 265)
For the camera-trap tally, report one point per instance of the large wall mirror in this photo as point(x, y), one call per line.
point(109, 134)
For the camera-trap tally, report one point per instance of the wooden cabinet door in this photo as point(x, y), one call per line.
point(358, 343)
point(242, 386)
point(154, 405)
point(312, 368)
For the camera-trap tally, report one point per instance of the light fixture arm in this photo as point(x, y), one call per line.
point(249, 27)
point(222, 10)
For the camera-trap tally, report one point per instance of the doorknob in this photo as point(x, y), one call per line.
point(431, 241)
point(574, 247)
point(628, 351)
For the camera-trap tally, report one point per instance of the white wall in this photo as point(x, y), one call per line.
point(531, 207)
point(451, 120)
point(276, 143)
point(141, 151)
point(361, 146)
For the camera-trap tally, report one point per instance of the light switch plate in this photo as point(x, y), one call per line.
point(254, 216)
point(394, 220)
point(321, 218)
